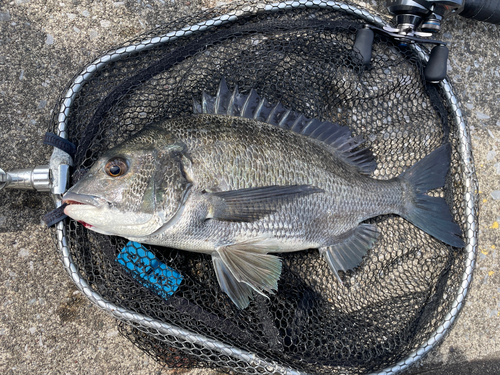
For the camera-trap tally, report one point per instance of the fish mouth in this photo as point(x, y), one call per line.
point(71, 198)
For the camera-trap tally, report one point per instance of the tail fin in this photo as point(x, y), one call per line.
point(432, 214)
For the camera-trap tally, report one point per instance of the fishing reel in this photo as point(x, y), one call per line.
point(418, 20)
point(427, 15)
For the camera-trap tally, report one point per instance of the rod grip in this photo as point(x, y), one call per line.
point(482, 10)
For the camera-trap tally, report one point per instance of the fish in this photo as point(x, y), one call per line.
point(243, 180)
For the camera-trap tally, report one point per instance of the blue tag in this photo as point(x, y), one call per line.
point(143, 264)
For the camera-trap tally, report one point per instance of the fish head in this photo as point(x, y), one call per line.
point(133, 189)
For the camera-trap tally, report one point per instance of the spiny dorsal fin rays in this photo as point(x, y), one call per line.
point(233, 103)
point(232, 110)
point(207, 103)
point(338, 138)
point(275, 114)
point(283, 122)
point(251, 104)
point(259, 109)
point(223, 99)
point(196, 107)
point(299, 122)
point(239, 101)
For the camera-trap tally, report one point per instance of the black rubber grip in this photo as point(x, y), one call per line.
point(437, 67)
point(55, 216)
point(482, 10)
point(60, 143)
point(363, 44)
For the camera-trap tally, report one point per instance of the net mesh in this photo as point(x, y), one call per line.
point(386, 308)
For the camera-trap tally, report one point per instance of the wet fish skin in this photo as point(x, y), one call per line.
point(258, 155)
point(239, 188)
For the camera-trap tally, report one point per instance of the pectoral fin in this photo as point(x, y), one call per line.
point(349, 250)
point(254, 203)
point(242, 269)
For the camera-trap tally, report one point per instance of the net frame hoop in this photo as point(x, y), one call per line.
point(129, 317)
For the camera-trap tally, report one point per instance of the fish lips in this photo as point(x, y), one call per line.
point(74, 198)
point(71, 198)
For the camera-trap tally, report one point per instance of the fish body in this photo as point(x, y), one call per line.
point(242, 179)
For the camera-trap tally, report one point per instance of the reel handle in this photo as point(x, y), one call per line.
point(437, 66)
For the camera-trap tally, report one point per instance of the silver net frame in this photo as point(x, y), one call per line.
point(138, 320)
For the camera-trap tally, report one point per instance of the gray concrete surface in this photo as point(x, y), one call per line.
point(46, 326)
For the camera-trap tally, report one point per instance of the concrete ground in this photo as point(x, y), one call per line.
point(46, 326)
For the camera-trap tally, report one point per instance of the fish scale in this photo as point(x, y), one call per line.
point(242, 179)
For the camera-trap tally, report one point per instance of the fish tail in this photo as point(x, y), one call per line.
point(431, 214)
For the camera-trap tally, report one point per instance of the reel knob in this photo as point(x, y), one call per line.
point(363, 44)
point(436, 68)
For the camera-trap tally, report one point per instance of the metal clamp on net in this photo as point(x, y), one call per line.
point(45, 178)
point(37, 178)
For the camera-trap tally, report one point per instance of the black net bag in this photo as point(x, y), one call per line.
point(389, 311)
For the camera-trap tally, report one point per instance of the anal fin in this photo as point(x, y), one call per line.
point(348, 252)
point(242, 269)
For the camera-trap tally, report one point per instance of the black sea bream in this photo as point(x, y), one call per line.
point(242, 179)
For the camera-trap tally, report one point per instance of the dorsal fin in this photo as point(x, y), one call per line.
point(338, 138)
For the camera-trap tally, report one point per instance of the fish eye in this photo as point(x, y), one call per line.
point(116, 167)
